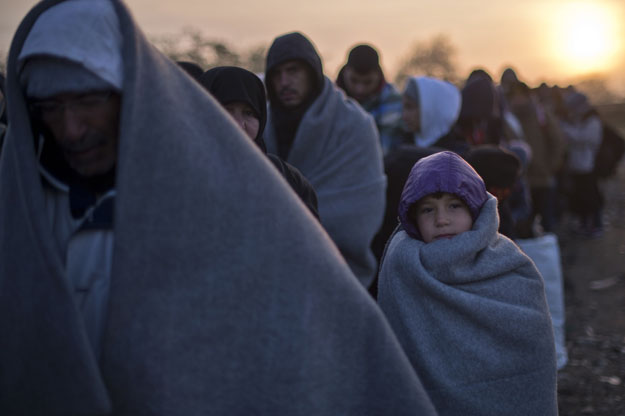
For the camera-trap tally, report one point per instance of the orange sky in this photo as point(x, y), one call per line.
point(530, 35)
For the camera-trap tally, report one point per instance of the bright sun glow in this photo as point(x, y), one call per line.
point(586, 36)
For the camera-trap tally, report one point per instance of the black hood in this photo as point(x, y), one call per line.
point(478, 99)
point(230, 84)
point(294, 46)
point(290, 47)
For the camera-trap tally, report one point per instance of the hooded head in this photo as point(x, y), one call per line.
point(229, 85)
point(478, 100)
point(70, 68)
point(74, 46)
point(294, 47)
point(441, 172)
point(479, 73)
point(438, 106)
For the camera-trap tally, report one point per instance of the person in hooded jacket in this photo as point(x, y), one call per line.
point(430, 110)
point(362, 78)
point(544, 136)
point(452, 288)
point(242, 94)
point(334, 143)
point(583, 131)
point(480, 120)
point(153, 262)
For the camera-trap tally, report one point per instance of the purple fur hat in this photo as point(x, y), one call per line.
point(441, 172)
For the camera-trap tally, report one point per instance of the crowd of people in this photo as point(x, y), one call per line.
point(180, 240)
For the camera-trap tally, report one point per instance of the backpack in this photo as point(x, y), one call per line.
point(610, 152)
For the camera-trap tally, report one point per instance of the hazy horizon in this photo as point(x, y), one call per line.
point(544, 40)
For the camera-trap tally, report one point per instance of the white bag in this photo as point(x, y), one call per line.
point(545, 252)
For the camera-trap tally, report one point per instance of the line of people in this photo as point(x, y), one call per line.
point(181, 241)
point(154, 262)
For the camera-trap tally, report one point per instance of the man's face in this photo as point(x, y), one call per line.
point(85, 126)
point(291, 84)
point(361, 86)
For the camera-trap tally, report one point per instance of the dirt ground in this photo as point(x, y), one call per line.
point(593, 381)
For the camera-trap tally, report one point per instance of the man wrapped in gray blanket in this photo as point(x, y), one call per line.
point(467, 305)
point(152, 260)
point(313, 126)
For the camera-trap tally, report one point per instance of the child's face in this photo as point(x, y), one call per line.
point(442, 215)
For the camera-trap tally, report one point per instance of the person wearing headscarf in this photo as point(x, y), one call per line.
point(544, 137)
point(452, 288)
point(430, 110)
point(144, 267)
point(362, 79)
point(480, 121)
point(333, 142)
point(242, 94)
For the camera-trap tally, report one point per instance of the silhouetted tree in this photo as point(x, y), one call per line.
point(192, 45)
point(435, 57)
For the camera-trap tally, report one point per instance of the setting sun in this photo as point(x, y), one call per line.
point(586, 36)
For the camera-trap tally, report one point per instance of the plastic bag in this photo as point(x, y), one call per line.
point(545, 253)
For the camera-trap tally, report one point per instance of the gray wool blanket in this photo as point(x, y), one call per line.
point(337, 149)
point(471, 314)
point(227, 297)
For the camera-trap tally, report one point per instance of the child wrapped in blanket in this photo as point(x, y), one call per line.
point(467, 305)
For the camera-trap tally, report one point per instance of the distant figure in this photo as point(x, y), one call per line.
point(153, 262)
point(480, 120)
point(544, 136)
point(501, 171)
point(333, 142)
point(362, 79)
point(243, 95)
point(508, 79)
point(452, 288)
point(479, 73)
point(583, 131)
point(430, 110)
